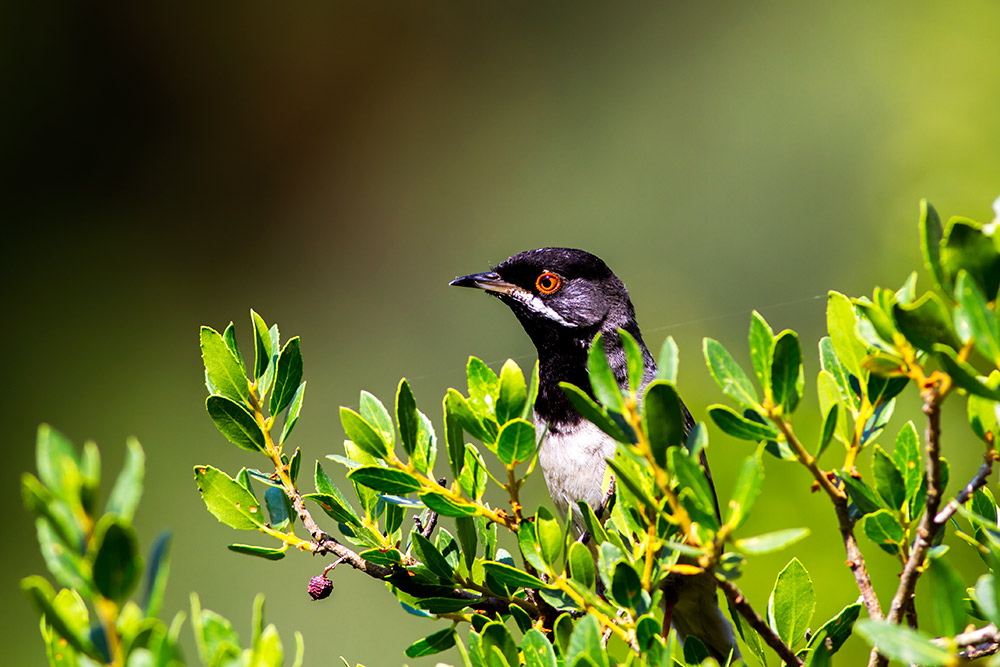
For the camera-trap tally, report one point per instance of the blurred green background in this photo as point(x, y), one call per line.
point(333, 165)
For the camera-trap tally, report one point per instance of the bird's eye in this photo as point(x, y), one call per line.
point(548, 283)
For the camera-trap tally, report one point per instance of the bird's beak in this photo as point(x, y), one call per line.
point(491, 282)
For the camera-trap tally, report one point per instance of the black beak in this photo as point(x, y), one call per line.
point(491, 282)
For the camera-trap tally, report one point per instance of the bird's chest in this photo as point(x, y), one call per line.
point(573, 461)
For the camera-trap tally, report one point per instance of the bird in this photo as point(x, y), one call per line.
point(564, 297)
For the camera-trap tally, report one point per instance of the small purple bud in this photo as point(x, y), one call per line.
point(320, 587)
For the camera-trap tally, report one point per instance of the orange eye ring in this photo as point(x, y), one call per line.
point(548, 283)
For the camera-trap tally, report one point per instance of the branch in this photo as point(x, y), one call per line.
point(837, 495)
point(978, 481)
point(856, 560)
point(770, 637)
point(928, 528)
point(976, 643)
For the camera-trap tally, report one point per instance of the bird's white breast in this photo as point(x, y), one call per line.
point(573, 461)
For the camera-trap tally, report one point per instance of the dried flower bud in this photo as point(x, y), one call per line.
point(320, 587)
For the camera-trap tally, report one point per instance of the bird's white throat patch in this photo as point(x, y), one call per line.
point(535, 304)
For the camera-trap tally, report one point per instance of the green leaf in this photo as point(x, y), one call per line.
point(581, 565)
point(385, 480)
point(931, 234)
point(626, 587)
point(117, 563)
point(864, 498)
point(279, 508)
point(663, 419)
point(473, 477)
point(513, 393)
point(830, 363)
point(484, 387)
point(888, 480)
point(829, 428)
point(842, 322)
point(837, 629)
point(761, 341)
point(127, 491)
point(770, 542)
point(948, 592)
point(229, 335)
point(428, 554)
point(293, 413)
point(287, 377)
point(593, 412)
point(445, 506)
point(515, 442)
point(223, 370)
point(903, 644)
point(267, 379)
point(884, 529)
point(669, 361)
point(65, 564)
point(987, 597)
point(635, 364)
point(57, 462)
point(602, 378)
point(267, 553)
point(40, 592)
point(586, 641)
point(407, 417)
point(157, 571)
point(787, 379)
point(511, 576)
point(728, 374)
point(362, 434)
point(442, 640)
point(261, 345)
point(906, 455)
point(549, 535)
point(792, 603)
point(538, 651)
point(748, 484)
point(926, 322)
point(974, 320)
point(967, 246)
point(426, 450)
point(964, 375)
point(691, 477)
point(227, 500)
point(235, 422)
point(738, 426)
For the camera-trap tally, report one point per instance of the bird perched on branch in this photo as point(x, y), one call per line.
point(563, 298)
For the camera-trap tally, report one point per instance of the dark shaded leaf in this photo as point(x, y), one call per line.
point(787, 379)
point(267, 553)
point(292, 417)
point(888, 480)
point(663, 418)
point(385, 480)
point(884, 529)
point(117, 563)
point(442, 640)
point(931, 234)
point(287, 376)
point(261, 345)
point(593, 412)
point(738, 426)
point(926, 322)
point(235, 422)
point(512, 576)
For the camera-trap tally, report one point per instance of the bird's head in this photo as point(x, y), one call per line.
point(558, 294)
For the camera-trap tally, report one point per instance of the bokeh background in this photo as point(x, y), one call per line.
point(333, 165)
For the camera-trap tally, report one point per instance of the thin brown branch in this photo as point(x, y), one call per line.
point(977, 481)
point(928, 527)
point(976, 643)
point(770, 637)
point(856, 560)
